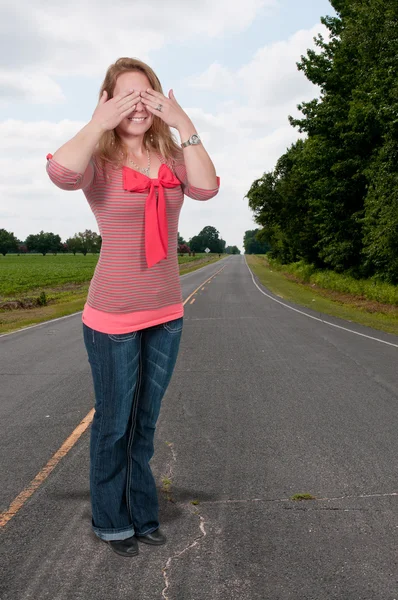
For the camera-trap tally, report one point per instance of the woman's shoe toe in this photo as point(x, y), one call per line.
point(127, 547)
point(156, 538)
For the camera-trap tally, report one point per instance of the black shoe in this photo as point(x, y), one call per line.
point(156, 538)
point(127, 547)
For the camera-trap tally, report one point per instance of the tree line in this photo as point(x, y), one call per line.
point(332, 199)
point(49, 242)
point(90, 242)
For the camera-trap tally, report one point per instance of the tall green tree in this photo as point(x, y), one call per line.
point(253, 245)
point(89, 241)
point(74, 244)
point(232, 250)
point(8, 242)
point(332, 198)
point(209, 237)
point(44, 242)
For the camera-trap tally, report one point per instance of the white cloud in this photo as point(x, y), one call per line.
point(215, 78)
point(32, 87)
point(19, 137)
point(271, 79)
point(78, 38)
point(245, 133)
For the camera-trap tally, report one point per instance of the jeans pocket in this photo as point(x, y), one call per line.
point(174, 326)
point(122, 337)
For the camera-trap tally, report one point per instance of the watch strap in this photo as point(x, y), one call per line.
point(189, 143)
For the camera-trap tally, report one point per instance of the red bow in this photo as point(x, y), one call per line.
point(156, 230)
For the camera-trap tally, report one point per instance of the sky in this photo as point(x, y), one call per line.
point(231, 65)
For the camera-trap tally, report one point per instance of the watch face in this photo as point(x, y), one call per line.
point(195, 139)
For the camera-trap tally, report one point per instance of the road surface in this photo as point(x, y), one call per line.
point(265, 403)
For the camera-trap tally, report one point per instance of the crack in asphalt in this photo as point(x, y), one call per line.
point(249, 500)
point(168, 562)
point(166, 568)
point(196, 541)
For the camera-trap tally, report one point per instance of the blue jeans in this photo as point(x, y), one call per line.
point(131, 372)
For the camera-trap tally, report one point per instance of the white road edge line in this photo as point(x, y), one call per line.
point(317, 318)
point(42, 323)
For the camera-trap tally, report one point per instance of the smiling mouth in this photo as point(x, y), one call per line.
point(137, 119)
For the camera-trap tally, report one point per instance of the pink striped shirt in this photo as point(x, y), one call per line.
point(124, 294)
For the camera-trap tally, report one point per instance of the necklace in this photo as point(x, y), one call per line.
point(144, 170)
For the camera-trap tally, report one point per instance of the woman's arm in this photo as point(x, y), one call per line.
point(76, 154)
point(200, 169)
point(71, 167)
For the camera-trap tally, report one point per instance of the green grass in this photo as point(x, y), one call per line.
point(65, 280)
point(371, 289)
point(24, 273)
point(345, 306)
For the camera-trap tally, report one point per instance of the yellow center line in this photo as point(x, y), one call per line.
point(20, 500)
point(45, 472)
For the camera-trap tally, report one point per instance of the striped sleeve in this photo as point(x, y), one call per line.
point(190, 190)
point(69, 180)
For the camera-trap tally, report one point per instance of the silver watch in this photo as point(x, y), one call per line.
point(193, 140)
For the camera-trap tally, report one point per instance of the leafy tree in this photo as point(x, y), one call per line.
point(8, 242)
point(74, 244)
point(232, 250)
point(252, 244)
point(84, 242)
point(43, 242)
point(207, 238)
point(332, 198)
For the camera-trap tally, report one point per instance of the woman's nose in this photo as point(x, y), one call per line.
point(139, 103)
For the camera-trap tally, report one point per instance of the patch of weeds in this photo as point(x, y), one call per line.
point(42, 299)
point(166, 484)
point(298, 497)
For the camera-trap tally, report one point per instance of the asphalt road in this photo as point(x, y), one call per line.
point(265, 403)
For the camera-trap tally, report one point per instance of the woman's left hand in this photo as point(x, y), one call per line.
point(171, 112)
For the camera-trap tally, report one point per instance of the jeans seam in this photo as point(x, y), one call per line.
point(126, 336)
point(170, 329)
point(132, 430)
point(100, 425)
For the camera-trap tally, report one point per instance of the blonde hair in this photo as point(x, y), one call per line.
point(159, 137)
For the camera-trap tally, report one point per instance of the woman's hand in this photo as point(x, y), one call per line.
point(171, 112)
point(109, 113)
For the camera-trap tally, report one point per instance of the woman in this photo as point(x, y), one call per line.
point(134, 176)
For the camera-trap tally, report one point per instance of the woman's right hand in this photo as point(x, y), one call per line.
point(109, 113)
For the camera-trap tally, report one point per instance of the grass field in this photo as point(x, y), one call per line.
point(345, 306)
point(60, 281)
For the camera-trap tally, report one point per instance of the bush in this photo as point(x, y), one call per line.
point(42, 299)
